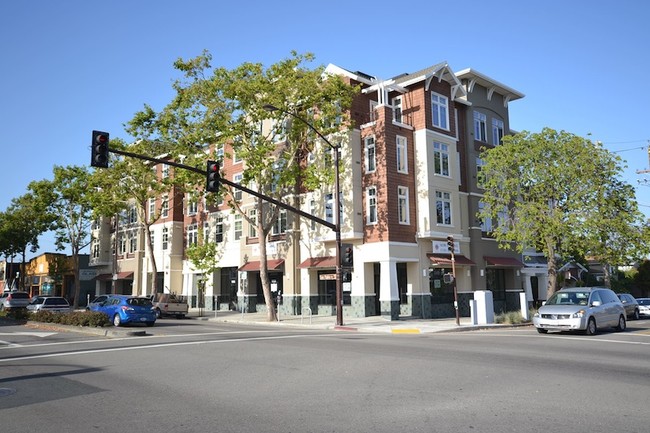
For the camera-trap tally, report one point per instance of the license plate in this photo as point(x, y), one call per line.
point(143, 319)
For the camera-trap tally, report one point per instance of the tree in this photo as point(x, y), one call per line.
point(20, 226)
point(131, 183)
point(542, 189)
point(217, 106)
point(69, 200)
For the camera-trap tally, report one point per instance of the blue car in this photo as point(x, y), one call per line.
point(123, 309)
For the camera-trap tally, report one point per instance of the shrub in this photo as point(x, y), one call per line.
point(511, 318)
point(77, 318)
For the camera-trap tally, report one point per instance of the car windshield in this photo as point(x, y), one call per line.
point(140, 302)
point(643, 301)
point(568, 298)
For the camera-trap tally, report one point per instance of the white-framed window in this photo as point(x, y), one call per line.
point(440, 159)
point(252, 226)
point(238, 226)
point(371, 157)
point(497, 131)
point(95, 249)
point(206, 232)
point(218, 152)
point(479, 167)
point(152, 207)
point(236, 159)
point(152, 236)
point(164, 208)
point(192, 206)
point(192, 234)
point(237, 193)
point(443, 208)
point(165, 171)
point(133, 242)
point(371, 205)
point(486, 224)
point(480, 126)
point(440, 110)
point(280, 224)
point(397, 109)
point(402, 154)
point(165, 238)
point(121, 242)
point(403, 205)
point(133, 215)
point(218, 229)
point(373, 110)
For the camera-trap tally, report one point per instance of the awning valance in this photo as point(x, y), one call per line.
point(318, 262)
point(503, 262)
point(445, 260)
point(120, 276)
point(255, 265)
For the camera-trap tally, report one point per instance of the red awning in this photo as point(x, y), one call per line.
point(120, 276)
point(255, 265)
point(318, 262)
point(445, 260)
point(503, 262)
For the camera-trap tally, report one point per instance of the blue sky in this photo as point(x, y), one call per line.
point(71, 66)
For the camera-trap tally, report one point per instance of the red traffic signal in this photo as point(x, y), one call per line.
point(348, 258)
point(212, 176)
point(99, 149)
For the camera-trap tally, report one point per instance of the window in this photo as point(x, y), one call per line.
point(153, 239)
point(95, 249)
point(479, 176)
point(192, 206)
point(219, 152)
point(165, 207)
point(402, 155)
point(192, 234)
point(480, 126)
point(280, 225)
point(403, 204)
point(206, 232)
point(252, 227)
point(237, 193)
point(371, 205)
point(373, 112)
point(238, 227)
point(397, 109)
point(486, 223)
point(440, 110)
point(133, 242)
point(152, 208)
point(235, 158)
point(165, 238)
point(441, 159)
point(133, 215)
point(219, 229)
point(371, 158)
point(497, 131)
point(121, 249)
point(443, 208)
point(165, 171)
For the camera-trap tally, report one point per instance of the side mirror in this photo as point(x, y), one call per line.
point(596, 304)
point(543, 303)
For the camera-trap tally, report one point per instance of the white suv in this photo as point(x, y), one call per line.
point(581, 309)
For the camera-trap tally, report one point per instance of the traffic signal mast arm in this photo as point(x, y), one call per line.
point(231, 184)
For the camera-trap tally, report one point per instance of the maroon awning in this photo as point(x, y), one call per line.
point(503, 262)
point(318, 262)
point(445, 260)
point(255, 265)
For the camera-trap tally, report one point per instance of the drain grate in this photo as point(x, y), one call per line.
point(6, 391)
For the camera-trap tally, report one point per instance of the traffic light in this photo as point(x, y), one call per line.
point(348, 259)
point(99, 149)
point(212, 177)
point(450, 243)
point(347, 277)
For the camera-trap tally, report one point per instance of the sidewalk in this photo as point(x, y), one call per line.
point(407, 325)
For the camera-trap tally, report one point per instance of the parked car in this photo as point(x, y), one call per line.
point(123, 309)
point(584, 309)
point(49, 303)
point(98, 300)
point(630, 304)
point(13, 299)
point(644, 306)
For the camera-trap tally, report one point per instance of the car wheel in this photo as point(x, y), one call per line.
point(636, 315)
point(150, 324)
point(621, 324)
point(158, 313)
point(116, 320)
point(591, 327)
point(542, 331)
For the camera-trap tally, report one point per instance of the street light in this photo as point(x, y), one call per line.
point(337, 211)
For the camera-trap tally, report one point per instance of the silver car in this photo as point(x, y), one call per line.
point(644, 306)
point(12, 300)
point(49, 303)
point(584, 309)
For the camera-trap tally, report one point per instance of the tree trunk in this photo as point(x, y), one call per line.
point(264, 270)
point(607, 275)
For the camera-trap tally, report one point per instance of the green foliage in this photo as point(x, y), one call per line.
point(512, 317)
point(76, 318)
point(560, 194)
point(642, 278)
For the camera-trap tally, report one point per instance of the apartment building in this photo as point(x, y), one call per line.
point(408, 181)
